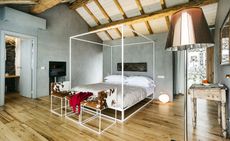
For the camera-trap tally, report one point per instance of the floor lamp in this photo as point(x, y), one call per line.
point(188, 30)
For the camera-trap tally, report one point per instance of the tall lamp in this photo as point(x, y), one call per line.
point(188, 30)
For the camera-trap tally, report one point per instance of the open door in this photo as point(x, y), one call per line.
point(26, 79)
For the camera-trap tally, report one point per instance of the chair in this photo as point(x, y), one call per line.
point(57, 94)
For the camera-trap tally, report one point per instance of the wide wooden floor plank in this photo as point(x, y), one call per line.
point(23, 119)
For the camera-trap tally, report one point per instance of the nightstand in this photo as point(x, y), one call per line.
point(213, 92)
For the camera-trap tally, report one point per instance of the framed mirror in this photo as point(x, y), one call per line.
point(225, 41)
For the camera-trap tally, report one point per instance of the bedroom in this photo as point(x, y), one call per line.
point(54, 24)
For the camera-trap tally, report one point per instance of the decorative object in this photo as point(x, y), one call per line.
point(164, 98)
point(205, 81)
point(227, 76)
point(225, 41)
point(212, 92)
point(138, 67)
point(188, 30)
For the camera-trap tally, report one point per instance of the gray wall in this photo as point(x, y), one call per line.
point(53, 45)
point(87, 62)
point(219, 70)
point(134, 53)
point(15, 21)
point(163, 61)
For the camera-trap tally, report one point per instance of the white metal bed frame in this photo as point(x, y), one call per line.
point(149, 41)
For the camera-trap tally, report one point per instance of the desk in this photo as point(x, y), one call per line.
point(212, 92)
point(11, 76)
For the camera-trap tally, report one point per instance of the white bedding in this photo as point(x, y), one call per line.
point(132, 94)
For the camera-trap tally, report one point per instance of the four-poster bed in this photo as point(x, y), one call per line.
point(128, 95)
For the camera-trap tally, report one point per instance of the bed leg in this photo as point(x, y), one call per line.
point(51, 103)
point(122, 115)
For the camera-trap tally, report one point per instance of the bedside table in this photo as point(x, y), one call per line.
point(211, 92)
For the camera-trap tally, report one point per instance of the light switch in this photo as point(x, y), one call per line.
point(43, 68)
point(161, 76)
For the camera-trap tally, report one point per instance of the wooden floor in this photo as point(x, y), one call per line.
point(23, 119)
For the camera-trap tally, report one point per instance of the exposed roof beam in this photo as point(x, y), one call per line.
point(95, 19)
point(163, 5)
point(139, 6)
point(105, 14)
point(148, 27)
point(18, 2)
point(110, 37)
point(79, 3)
point(102, 10)
point(44, 5)
point(142, 12)
point(123, 14)
point(168, 22)
point(91, 14)
point(120, 8)
point(155, 15)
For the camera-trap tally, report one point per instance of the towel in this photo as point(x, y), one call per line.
point(77, 98)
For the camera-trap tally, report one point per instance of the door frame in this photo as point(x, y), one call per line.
point(2, 63)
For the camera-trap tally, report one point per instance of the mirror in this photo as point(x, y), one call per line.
point(225, 41)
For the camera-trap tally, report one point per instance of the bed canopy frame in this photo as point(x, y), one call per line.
point(122, 45)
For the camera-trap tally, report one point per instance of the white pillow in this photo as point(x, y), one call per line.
point(114, 79)
point(141, 81)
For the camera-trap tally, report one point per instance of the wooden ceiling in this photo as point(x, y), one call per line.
point(144, 16)
point(37, 6)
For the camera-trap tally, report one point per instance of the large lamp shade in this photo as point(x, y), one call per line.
point(188, 30)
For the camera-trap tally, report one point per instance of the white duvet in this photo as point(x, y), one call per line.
point(132, 94)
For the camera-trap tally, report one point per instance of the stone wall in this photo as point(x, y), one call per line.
point(10, 57)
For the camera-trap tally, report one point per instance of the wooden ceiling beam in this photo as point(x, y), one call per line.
point(107, 33)
point(18, 2)
point(103, 10)
point(155, 15)
point(142, 12)
point(106, 15)
point(163, 6)
point(79, 3)
point(123, 14)
point(148, 27)
point(120, 8)
point(95, 19)
point(91, 14)
point(168, 22)
point(44, 5)
point(139, 6)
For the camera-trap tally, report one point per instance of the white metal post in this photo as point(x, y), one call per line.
point(154, 58)
point(122, 71)
point(185, 98)
point(111, 65)
point(70, 62)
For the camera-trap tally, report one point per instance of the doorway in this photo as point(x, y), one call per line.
point(18, 55)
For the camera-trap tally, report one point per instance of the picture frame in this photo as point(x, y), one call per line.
point(225, 41)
